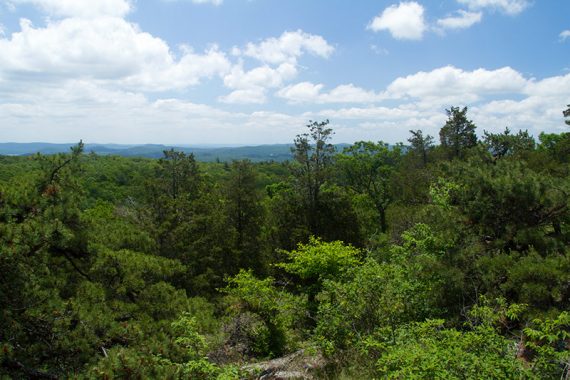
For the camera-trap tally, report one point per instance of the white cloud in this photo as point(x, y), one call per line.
point(450, 84)
point(83, 109)
point(403, 21)
point(256, 95)
point(306, 92)
point(552, 86)
point(279, 65)
point(564, 35)
point(374, 113)
point(104, 49)
point(301, 92)
point(251, 86)
point(462, 20)
point(262, 76)
point(80, 8)
point(88, 76)
point(511, 7)
point(287, 48)
point(80, 110)
point(536, 106)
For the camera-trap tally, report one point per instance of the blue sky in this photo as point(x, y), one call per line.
point(256, 71)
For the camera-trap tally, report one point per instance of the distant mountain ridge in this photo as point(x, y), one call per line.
point(275, 152)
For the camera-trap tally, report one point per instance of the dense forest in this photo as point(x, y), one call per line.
point(413, 260)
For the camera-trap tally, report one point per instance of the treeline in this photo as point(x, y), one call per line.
point(391, 261)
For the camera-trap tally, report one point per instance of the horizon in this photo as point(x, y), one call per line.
point(251, 73)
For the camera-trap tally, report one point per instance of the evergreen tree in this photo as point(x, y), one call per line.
point(421, 145)
point(245, 214)
point(458, 133)
point(506, 144)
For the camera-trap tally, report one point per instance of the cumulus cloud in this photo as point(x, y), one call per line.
point(449, 84)
point(104, 48)
point(84, 109)
point(263, 76)
point(564, 35)
point(287, 48)
point(251, 86)
point(88, 73)
point(404, 21)
point(524, 103)
point(510, 7)
point(462, 20)
point(80, 8)
point(308, 92)
point(109, 50)
point(301, 92)
point(279, 57)
point(256, 95)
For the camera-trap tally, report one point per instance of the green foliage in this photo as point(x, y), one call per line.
point(367, 169)
point(556, 146)
point(383, 295)
point(119, 227)
point(458, 133)
point(512, 205)
point(428, 350)
point(421, 145)
point(313, 152)
point(465, 273)
point(320, 260)
point(245, 216)
point(286, 223)
point(378, 295)
point(276, 308)
point(547, 340)
point(189, 363)
point(443, 192)
point(506, 144)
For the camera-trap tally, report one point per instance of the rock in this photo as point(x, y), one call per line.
point(297, 365)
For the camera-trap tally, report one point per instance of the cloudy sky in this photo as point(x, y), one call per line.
point(256, 71)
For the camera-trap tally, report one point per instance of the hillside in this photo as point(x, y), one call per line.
point(276, 152)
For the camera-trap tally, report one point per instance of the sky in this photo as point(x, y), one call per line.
point(249, 72)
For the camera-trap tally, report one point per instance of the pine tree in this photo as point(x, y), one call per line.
point(458, 133)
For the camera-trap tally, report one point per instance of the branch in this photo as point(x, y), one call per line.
point(74, 265)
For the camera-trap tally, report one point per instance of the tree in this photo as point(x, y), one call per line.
point(178, 174)
point(317, 261)
point(245, 214)
point(313, 152)
point(421, 144)
point(43, 256)
point(513, 207)
point(367, 167)
point(557, 146)
point(275, 308)
point(506, 144)
point(175, 185)
point(566, 114)
point(458, 133)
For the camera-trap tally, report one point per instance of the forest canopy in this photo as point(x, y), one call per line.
point(411, 260)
